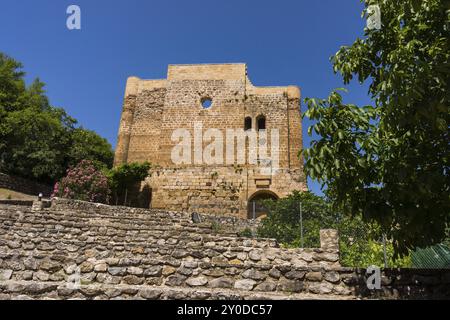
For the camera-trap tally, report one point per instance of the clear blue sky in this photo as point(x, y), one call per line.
point(283, 42)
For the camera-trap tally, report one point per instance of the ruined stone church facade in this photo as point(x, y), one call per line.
point(194, 99)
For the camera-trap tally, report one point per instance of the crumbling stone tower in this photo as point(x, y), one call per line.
point(218, 96)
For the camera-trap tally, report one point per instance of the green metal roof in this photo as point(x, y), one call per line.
point(435, 257)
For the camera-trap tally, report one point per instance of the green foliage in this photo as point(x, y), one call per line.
point(216, 227)
point(360, 244)
point(370, 252)
point(12, 86)
point(88, 145)
point(92, 181)
point(85, 181)
point(34, 144)
point(124, 178)
point(37, 140)
point(446, 241)
point(246, 233)
point(389, 162)
point(283, 221)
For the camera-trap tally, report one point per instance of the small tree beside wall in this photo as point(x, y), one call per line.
point(124, 182)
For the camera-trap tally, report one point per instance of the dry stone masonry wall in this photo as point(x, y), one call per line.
point(78, 250)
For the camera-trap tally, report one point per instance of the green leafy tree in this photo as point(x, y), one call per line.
point(283, 221)
point(88, 145)
point(360, 243)
point(389, 162)
point(12, 85)
point(39, 141)
point(34, 145)
point(124, 180)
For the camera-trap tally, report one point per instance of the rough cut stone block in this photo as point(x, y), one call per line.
point(222, 282)
point(245, 284)
point(150, 294)
point(197, 281)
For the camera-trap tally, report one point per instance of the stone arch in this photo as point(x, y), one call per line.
point(255, 209)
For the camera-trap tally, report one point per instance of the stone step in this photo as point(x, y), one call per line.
point(49, 242)
point(154, 268)
point(59, 231)
point(122, 212)
point(56, 250)
point(50, 219)
point(197, 249)
point(40, 225)
point(35, 290)
point(90, 210)
point(76, 216)
point(62, 227)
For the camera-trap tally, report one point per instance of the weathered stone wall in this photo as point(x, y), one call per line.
point(24, 186)
point(26, 203)
point(218, 190)
point(154, 109)
point(223, 223)
point(86, 251)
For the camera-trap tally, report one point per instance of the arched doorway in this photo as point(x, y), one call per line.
point(255, 209)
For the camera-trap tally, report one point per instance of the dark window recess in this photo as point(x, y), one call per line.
point(248, 124)
point(261, 123)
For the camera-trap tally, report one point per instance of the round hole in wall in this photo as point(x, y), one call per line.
point(206, 103)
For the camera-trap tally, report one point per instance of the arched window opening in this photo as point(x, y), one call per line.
point(261, 123)
point(248, 124)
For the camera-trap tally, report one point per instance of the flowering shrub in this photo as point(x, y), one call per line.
point(83, 182)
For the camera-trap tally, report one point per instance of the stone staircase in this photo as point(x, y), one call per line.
point(77, 250)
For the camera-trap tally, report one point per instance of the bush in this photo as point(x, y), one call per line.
point(83, 182)
point(124, 181)
point(246, 233)
point(360, 242)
